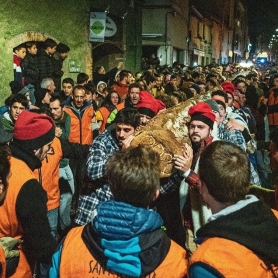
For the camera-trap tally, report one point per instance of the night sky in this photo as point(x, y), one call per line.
point(262, 18)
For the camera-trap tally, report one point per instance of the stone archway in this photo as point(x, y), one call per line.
point(106, 54)
point(28, 36)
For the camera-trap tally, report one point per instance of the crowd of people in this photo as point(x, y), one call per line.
point(78, 200)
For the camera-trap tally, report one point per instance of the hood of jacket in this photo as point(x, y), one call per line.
point(28, 157)
point(126, 239)
point(253, 226)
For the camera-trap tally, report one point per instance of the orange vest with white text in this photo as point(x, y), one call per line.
point(81, 263)
point(9, 225)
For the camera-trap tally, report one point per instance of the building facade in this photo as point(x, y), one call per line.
point(173, 30)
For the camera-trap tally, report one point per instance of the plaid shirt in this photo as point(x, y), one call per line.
point(233, 136)
point(236, 137)
point(104, 146)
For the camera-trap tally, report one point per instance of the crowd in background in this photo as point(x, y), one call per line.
point(95, 119)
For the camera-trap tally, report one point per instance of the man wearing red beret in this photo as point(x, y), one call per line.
point(195, 211)
point(148, 107)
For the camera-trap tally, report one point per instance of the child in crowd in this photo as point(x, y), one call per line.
point(19, 53)
point(31, 69)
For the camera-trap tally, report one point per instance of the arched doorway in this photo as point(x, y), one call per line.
point(107, 54)
point(28, 36)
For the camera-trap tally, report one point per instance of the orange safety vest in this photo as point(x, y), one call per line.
point(81, 129)
point(105, 114)
point(273, 117)
point(120, 106)
point(83, 264)
point(9, 225)
point(231, 259)
point(50, 175)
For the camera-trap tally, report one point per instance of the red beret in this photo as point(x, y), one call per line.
point(228, 87)
point(202, 112)
point(148, 105)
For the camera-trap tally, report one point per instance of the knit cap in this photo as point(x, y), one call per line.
point(32, 130)
point(148, 105)
point(202, 112)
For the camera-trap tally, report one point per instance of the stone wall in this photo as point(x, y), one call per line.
point(65, 21)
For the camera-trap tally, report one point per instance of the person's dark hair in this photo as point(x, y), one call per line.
point(90, 89)
point(148, 77)
point(225, 169)
point(82, 77)
point(134, 175)
point(43, 109)
point(142, 84)
point(210, 76)
point(97, 68)
point(62, 48)
point(180, 95)
point(169, 88)
point(212, 82)
point(188, 93)
point(220, 93)
point(133, 85)
point(263, 86)
point(58, 97)
point(195, 74)
point(173, 76)
point(18, 47)
point(123, 74)
point(108, 103)
point(128, 116)
point(49, 43)
point(68, 80)
point(18, 98)
point(16, 87)
point(250, 76)
point(30, 44)
point(200, 83)
point(240, 81)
